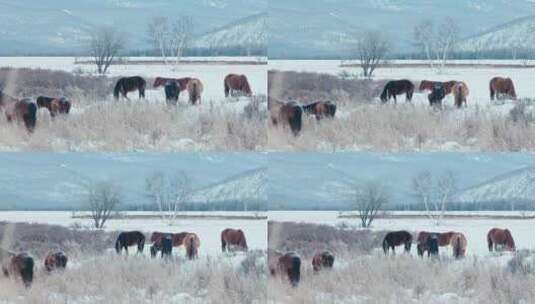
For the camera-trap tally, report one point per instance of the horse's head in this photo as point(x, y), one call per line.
point(246, 87)
point(243, 241)
point(510, 242)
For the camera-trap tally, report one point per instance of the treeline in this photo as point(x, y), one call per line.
point(213, 206)
point(230, 51)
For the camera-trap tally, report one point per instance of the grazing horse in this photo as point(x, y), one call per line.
point(237, 83)
point(502, 87)
point(437, 95)
point(320, 109)
point(500, 237)
point(459, 243)
point(54, 105)
point(432, 245)
point(233, 239)
point(460, 92)
point(288, 264)
point(396, 238)
point(55, 261)
point(322, 260)
point(444, 239)
point(192, 244)
point(178, 238)
point(130, 238)
point(18, 265)
point(171, 93)
point(181, 82)
point(129, 84)
point(427, 85)
point(286, 113)
point(24, 110)
point(195, 89)
point(397, 87)
point(163, 244)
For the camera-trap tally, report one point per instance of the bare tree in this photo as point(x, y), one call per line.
point(158, 31)
point(181, 36)
point(372, 48)
point(448, 37)
point(169, 194)
point(437, 44)
point(104, 46)
point(103, 199)
point(423, 37)
point(434, 193)
point(370, 197)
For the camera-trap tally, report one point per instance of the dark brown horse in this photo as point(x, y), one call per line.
point(459, 244)
point(233, 239)
point(500, 237)
point(320, 109)
point(502, 88)
point(181, 82)
point(322, 260)
point(172, 93)
point(130, 238)
point(192, 244)
point(237, 83)
point(195, 89)
point(286, 114)
point(288, 264)
point(24, 110)
point(397, 87)
point(163, 244)
point(54, 105)
point(129, 84)
point(397, 238)
point(18, 265)
point(427, 85)
point(444, 239)
point(55, 261)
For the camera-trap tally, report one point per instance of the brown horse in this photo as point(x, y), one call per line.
point(192, 244)
point(54, 105)
point(320, 109)
point(397, 238)
point(502, 88)
point(322, 260)
point(460, 92)
point(286, 114)
point(24, 110)
point(195, 89)
point(237, 83)
point(427, 85)
point(288, 264)
point(55, 261)
point(444, 239)
point(130, 238)
point(459, 243)
point(18, 265)
point(397, 87)
point(233, 239)
point(178, 238)
point(181, 82)
point(129, 84)
point(500, 237)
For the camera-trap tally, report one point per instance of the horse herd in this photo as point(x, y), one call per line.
point(290, 113)
point(288, 265)
point(21, 266)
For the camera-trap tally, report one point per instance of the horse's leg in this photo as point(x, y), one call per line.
point(223, 245)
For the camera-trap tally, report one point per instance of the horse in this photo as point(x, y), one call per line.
point(237, 83)
point(181, 82)
point(130, 238)
point(55, 105)
point(55, 261)
point(460, 92)
point(171, 93)
point(163, 244)
point(286, 113)
point(178, 238)
point(502, 87)
point(444, 239)
point(320, 109)
point(396, 238)
point(437, 95)
point(459, 243)
point(322, 260)
point(18, 265)
point(129, 84)
point(427, 85)
point(500, 237)
point(24, 110)
point(233, 239)
point(192, 244)
point(288, 264)
point(195, 89)
point(397, 87)
point(432, 245)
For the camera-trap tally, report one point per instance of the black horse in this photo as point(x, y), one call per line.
point(172, 91)
point(397, 87)
point(129, 84)
point(432, 245)
point(396, 238)
point(130, 238)
point(437, 95)
point(163, 244)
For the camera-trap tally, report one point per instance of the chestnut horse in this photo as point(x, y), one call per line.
point(500, 237)
point(195, 89)
point(233, 239)
point(429, 85)
point(396, 238)
point(288, 264)
point(129, 84)
point(322, 260)
point(192, 244)
point(286, 113)
point(130, 238)
point(444, 239)
point(459, 243)
point(397, 87)
point(237, 83)
point(55, 261)
point(182, 83)
point(24, 110)
point(320, 109)
point(18, 265)
point(460, 92)
point(502, 87)
point(54, 105)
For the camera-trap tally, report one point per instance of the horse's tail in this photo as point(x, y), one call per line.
point(489, 240)
point(457, 246)
point(491, 89)
point(141, 244)
point(223, 242)
point(384, 94)
point(190, 247)
point(194, 94)
point(141, 88)
point(30, 118)
point(118, 245)
point(117, 90)
point(296, 121)
point(227, 87)
point(27, 270)
point(296, 271)
point(385, 245)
